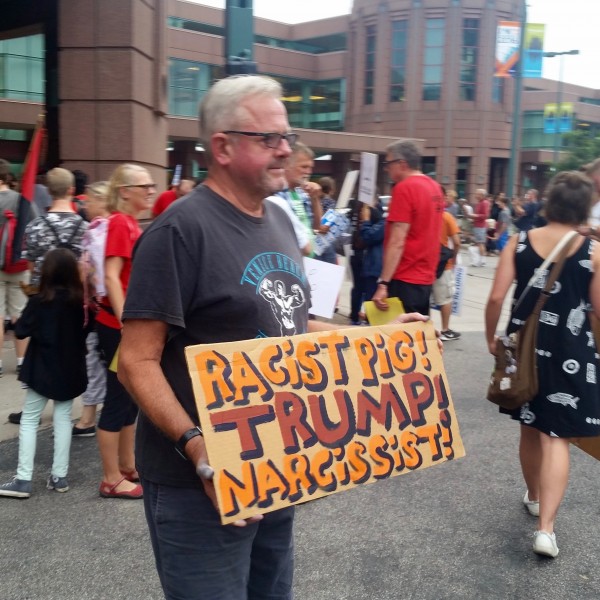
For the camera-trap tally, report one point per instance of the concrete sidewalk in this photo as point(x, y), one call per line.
point(479, 281)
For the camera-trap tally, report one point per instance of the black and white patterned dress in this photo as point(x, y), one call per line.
point(568, 401)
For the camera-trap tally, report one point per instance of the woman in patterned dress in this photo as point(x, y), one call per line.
point(567, 404)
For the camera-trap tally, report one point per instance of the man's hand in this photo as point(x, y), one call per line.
point(196, 451)
point(312, 189)
point(380, 297)
point(412, 317)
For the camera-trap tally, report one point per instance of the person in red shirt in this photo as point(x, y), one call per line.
point(130, 192)
point(412, 235)
point(167, 198)
point(479, 217)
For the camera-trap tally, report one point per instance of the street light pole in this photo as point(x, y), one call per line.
point(559, 90)
point(515, 144)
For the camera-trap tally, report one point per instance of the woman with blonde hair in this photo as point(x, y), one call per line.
point(567, 404)
point(130, 192)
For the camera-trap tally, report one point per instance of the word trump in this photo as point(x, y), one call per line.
point(291, 419)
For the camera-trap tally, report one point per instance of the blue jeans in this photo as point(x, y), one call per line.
point(30, 421)
point(197, 558)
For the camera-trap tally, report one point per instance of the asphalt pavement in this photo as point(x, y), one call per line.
point(454, 531)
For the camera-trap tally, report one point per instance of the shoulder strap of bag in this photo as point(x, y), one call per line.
point(564, 246)
point(75, 231)
point(554, 274)
point(52, 228)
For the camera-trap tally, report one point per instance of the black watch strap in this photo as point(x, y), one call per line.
point(185, 438)
point(383, 282)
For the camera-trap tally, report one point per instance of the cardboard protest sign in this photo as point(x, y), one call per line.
point(287, 420)
point(347, 189)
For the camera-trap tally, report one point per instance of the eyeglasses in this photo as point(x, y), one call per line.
point(271, 140)
point(387, 163)
point(146, 186)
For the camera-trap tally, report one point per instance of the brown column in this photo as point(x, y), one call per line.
point(112, 85)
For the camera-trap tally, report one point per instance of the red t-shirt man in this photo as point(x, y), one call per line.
point(418, 201)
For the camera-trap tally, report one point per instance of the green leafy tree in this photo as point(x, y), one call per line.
point(583, 147)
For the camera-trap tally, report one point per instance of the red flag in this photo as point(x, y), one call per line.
point(32, 161)
point(25, 209)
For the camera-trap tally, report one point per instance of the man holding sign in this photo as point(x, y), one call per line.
point(221, 266)
point(412, 237)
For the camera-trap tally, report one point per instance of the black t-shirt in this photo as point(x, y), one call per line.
point(214, 274)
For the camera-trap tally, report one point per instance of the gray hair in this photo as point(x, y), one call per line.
point(300, 148)
point(220, 108)
point(406, 151)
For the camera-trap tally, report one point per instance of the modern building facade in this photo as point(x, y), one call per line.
point(124, 78)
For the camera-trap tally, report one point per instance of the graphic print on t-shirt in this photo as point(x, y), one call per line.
point(280, 281)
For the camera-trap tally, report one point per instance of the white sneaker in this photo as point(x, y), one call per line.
point(533, 506)
point(544, 543)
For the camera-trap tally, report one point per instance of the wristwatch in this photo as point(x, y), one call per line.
point(181, 443)
point(383, 282)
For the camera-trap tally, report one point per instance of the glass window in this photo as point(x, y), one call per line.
point(533, 132)
point(334, 42)
point(22, 75)
point(498, 90)
point(428, 165)
point(314, 104)
point(433, 59)
point(370, 45)
point(462, 175)
point(188, 82)
point(398, 66)
point(468, 59)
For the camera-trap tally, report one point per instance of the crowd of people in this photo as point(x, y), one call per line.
point(102, 326)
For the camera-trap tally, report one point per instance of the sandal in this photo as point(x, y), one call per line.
point(131, 476)
point(108, 490)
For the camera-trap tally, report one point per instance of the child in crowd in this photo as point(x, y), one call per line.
point(54, 367)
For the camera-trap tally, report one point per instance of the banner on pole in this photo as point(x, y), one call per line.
point(558, 119)
point(533, 52)
point(287, 420)
point(508, 38)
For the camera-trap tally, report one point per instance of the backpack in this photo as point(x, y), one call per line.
point(445, 255)
point(8, 262)
point(69, 244)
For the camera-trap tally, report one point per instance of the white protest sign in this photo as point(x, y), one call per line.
point(347, 189)
point(325, 282)
point(367, 187)
point(460, 279)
